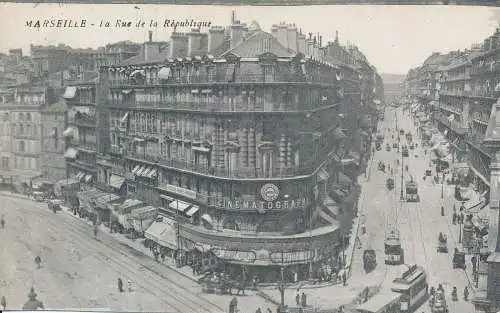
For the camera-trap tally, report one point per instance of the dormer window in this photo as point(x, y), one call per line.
point(266, 44)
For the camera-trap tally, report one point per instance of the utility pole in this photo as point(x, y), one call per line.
point(402, 176)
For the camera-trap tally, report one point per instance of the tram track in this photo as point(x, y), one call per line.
point(105, 251)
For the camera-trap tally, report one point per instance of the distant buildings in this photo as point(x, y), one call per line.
point(461, 90)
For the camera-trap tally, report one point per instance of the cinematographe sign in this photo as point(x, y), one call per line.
point(270, 201)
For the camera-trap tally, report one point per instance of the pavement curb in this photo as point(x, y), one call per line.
point(68, 211)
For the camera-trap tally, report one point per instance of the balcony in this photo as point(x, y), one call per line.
point(83, 165)
point(283, 79)
point(84, 146)
point(457, 78)
point(454, 93)
point(453, 125)
point(451, 109)
point(285, 172)
point(85, 121)
point(25, 136)
point(116, 150)
point(487, 94)
point(219, 106)
point(486, 69)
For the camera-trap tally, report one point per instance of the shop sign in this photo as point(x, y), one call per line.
point(259, 205)
point(292, 256)
point(233, 255)
point(181, 191)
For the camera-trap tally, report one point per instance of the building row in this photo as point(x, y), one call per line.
point(460, 90)
point(237, 145)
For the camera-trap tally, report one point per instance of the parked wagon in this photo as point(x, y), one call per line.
point(459, 259)
point(442, 243)
point(369, 260)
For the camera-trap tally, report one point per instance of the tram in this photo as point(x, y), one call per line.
point(393, 250)
point(383, 302)
point(413, 287)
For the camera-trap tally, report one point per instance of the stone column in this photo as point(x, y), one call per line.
point(282, 152)
point(244, 147)
point(252, 149)
point(289, 153)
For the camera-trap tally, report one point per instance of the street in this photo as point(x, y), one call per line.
point(419, 223)
point(79, 271)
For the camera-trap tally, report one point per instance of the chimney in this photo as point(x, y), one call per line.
point(309, 46)
point(274, 30)
point(196, 43)
point(301, 43)
point(320, 41)
point(215, 37)
point(233, 17)
point(150, 33)
point(486, 46)
point(178, 45)
point(292, 38)
point(237, 33)
point(337, 37)
point(282, 36)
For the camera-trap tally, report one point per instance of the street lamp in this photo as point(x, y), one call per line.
point(281, 288)
point(460, 230)
point(402, 174)
point(442, 188)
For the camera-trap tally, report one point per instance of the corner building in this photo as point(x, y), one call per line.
point(241, 146)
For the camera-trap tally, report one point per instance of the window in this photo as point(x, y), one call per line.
point(22, 146)
point(21, 116)
point(55, 136)
point(21, 128)
point(5, 162)
point(28, 117)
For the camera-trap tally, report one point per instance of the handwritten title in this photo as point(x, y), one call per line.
point(118, 23)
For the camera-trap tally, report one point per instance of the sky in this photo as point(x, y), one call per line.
point(393, 38)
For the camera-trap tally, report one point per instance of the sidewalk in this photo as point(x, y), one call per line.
point(134, 246)
point(334, 295)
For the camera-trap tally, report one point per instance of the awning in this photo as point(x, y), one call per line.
point(323, 175)
point(116, 181)
point(82, 110)
point(80, 175)
point(339, 134)
point(70, 131)
point(70, 92)
point(138, 72)
point(201, 149)
point(163, 233)
point(338, 194)
point(144, 213)
point(179, 205)
point(164, 73)
point(355, 155)
point(145, 171)
point(349, 161)
point(167, 198)
point(327, 217)
point(136, 168)
point(71, 153)
point(129, 204)
point(192, 210)
point(344, 179)
point(126, 91)
point(153, 173)
point(88, 178)
point(207, 218)
point(125, 117)
point(67, 182)
point(140, 170)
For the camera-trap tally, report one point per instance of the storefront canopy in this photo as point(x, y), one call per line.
point(116, 181)
point(70, 92)
point(163, 233)
point(71, 153)
point(179, 205)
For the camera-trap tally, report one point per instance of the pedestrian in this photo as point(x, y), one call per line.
point(303, 300)
point(3, 302)
point(269, 310)
point(454, 218)
point(258, 310)
point(120, 285)
point(344, 278)
point(442, 210)
point(297, 297)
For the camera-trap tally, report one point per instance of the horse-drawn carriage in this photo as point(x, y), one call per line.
point(381, 166)
point(55, 205)
point(221, 284)
point(390, 183)
point(459, 258)
point(369, 260)
point(442, 243)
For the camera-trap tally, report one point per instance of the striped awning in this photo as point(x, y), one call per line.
point(179, 205)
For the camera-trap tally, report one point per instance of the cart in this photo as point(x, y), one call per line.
point(390, 183)
point(369, 260)
point(459, 259)
point(39, 196)
point(55, 205)
point(442, 243)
